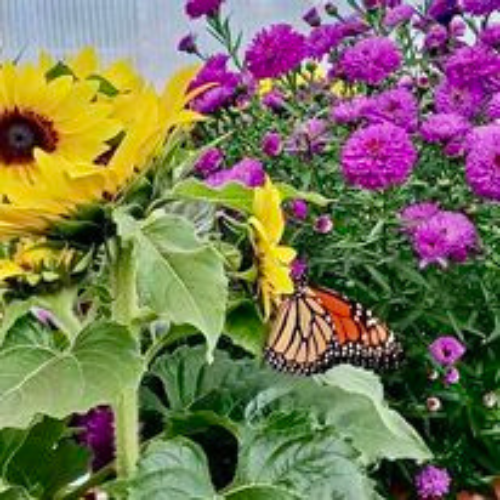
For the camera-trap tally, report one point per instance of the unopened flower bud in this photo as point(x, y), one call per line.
point(433, 404)
point(490, 400)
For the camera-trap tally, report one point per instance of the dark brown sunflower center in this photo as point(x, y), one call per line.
point(23, 131)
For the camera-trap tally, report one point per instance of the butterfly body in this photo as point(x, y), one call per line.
point(316, 328)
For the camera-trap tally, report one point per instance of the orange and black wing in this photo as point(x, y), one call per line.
point(317, 328)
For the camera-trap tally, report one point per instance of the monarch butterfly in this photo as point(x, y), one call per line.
point(316, 328)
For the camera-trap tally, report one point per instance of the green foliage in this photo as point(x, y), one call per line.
point(39, 379)
point(180, 277)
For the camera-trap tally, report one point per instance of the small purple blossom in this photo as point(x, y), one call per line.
point(452, 376)
point(491, 35)
point(249, 172)
point(299, 209)
point(275, 51)
point(432, 483)
point(323, 224)
point(312, 17)
point(349, 111)
point(187, 44)
point(274, 100)
point(371, 60)
point(398, 15)
point(443, 11)
point(225, 85)
point(272, 144)
point(493, 107)
point(298, 269)
point(445, 236)
point(378, 156)
point(200, 8)
point(481, 7)
point(323, 39)
point(397, 106)
point(442, 127)
point(447, 350)
point(209, 162)
point(436, 38)
point(433, 404)
point(308, 138)
point(418, 213)
point(97, 434)
point(482, 168)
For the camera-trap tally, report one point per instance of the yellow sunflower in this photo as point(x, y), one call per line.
point(274, 260)
point(54, 173)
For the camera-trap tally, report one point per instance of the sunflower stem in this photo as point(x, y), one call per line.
point(126, 409)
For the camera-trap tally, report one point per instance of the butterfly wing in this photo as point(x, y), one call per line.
point(317, 328)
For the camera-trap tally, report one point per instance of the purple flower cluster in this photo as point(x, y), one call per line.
point(249, 172)
point(481, 7)
point(378, 157)
point(443, 127)
point(222, 92)
point(371, 60)
point(439, 236)
point(432, 483)
point(275, 51)
point(200, 8)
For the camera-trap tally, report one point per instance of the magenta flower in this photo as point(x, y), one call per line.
point(432, 483)
point(349, 111)
point(491, 35)
point(209, 162)
point(418, 213)
point(446, 350)
point(312, 17)
point(274, 100)
point(298, 269)
point(398, 15)
point(378, 157)
point(323, 224)
point(323, 39)
point(249, 172)
point(445, 236)
point(482, 169)
point(187, 44)
point(371, 60)
point(308, 138)
point(443, 127)
point(223, 93)
point(272, 144)
point(463, 100)
point(452, 376)
point(397, 106)
point(436, 37)
point(97, 433)
point(493, 108)
point(275, 51)
point(200, 8)
point(299, 209)
point(443, 11)
point(481, 7)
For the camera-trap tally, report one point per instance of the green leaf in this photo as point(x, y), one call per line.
point(232, 195)
point(289, 192)
point(12, 313)
point(14, 493)
point(361, 414)
point(36, 379)
point(260, 492)
point(287, 450)
point(179, 276)
point(245, 327)
point(173, 470)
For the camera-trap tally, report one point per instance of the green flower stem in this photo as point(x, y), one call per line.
point(127, 408)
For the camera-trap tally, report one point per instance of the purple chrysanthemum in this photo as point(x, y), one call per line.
point(493, 108)
point(209, 162)
point(398, 15)
point(491, 35)
point(397, 106)
point(432, 483)
point(323, 39)
point(442, 127)
point(275, 51)
point(463, 100)
point(272, 144)
point(436, 38)
point(481, 7)
point(443, 11)
point(470, 66)
point(482, 167)
point(349, 111)
point(308, 138)
point(371, 60)
point(378, 157)
point(97, 434)
point(418, 213)
point(200, 8)
point(299, 209)
point(249, 172)
point(445, 236)
point(446, 350)
point(223, 92)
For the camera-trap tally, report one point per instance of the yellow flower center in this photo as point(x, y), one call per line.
point(21, 131)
